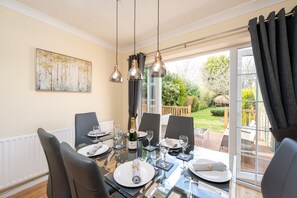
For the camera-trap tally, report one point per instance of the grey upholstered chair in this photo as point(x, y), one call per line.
point(151, 121)
point(280, 177)
point(180, 125)
point(57, 185)
point(84, 176)
point(84, 123)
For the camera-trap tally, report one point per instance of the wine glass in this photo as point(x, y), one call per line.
point(118, 135)
point(96, 130)
point(183, 140)
point(164, 149)
point(149, 137)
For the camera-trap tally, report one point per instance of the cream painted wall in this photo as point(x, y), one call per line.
point(209, 45)
point(22, 109)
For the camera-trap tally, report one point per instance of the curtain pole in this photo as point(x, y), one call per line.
point(184, 45)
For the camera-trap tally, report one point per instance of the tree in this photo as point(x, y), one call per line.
point(216, 74)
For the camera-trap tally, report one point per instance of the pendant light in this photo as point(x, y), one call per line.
point(134, 72)
point(116, 75)
point(158, 69)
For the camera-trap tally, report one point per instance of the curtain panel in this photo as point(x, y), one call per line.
point(274, 43)
point(135, 87)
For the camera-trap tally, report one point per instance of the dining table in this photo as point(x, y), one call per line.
point(179, 180)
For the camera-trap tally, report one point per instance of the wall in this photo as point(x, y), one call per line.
point(22, 109)
point(239, 38)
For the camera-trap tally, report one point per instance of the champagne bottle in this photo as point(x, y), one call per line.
point(132, 139)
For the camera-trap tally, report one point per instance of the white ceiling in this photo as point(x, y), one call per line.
point(96, 18)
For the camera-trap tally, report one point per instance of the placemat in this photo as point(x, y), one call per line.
point(122, 189)
point(183, 186)
point(150, 148)
point(223, 186)
point(186, 157)
point(167, 168)
point(130, 192)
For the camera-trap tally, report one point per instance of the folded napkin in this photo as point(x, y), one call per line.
point(93, 150)
point(203, 166)
point(170, 143)
point(136, 179)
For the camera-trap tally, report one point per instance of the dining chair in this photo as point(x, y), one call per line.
point(84, 176)
point(84, 123)
point(180, 125)
point(57, 185)
point(151, 121)
point(280, 177)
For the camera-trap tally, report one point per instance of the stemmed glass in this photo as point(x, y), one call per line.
point(96, 130)
point(164, 149)
point(118, 136)
point(149, 137)
point(183, 140)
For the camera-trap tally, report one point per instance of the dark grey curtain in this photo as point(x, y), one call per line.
point(274, 43)
point(134, 89)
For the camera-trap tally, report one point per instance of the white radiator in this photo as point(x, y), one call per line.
point(22, 157)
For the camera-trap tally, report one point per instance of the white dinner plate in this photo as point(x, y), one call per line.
point(141, 134)
point(173, 145)
point(84, 150)
point(123, 174)
point(213, 176)
point(101, 133)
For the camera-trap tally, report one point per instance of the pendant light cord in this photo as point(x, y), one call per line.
point(117, 30)
point(158, 26)
point(134, 25)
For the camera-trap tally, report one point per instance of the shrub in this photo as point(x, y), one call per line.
point(193, 101)
point(217, 112)
point(247, 94)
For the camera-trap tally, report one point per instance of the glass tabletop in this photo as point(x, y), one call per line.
point(175, 182)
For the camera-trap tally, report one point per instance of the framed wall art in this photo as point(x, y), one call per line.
point(58, 72)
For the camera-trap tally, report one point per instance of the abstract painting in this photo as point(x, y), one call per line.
point(57, 72)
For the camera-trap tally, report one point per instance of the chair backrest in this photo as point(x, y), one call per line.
point(83, 173)
point(57, 185)
point(151, 121)
point(181, 125)
point(280, 177)
point(84, 123)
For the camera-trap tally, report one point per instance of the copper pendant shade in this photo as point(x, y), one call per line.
point(158, 69)
point(134, 72)
point(116, 75)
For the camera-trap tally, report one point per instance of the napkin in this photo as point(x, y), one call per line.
point(93, 150)
point(136, 179)
point(209, 166)
point(170, 143)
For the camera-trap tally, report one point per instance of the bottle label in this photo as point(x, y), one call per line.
point(132, 145)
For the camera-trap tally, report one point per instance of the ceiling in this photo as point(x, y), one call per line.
point(96, 18)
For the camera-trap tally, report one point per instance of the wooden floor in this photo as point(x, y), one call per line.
point(39, 191)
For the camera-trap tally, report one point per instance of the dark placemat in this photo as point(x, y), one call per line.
point(122, 189)
point(119, 147)
point(186, 157)
point(152, 148)
point(223, 186)
point(183, 186)
point(167, 168)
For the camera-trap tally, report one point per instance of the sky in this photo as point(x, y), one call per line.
point(191, 67)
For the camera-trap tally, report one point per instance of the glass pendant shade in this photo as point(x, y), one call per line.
point(134, 72)
point(158, 69)
point(116, 75)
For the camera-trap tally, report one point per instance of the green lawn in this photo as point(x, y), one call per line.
point(204, 119)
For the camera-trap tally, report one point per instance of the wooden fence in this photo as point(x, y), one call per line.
point(177, 110)
point(247, 116)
